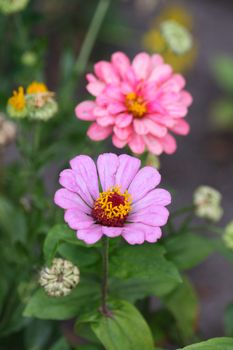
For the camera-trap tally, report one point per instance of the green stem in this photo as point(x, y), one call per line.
point(105, 243)
point(183, 211)
point(83, 57)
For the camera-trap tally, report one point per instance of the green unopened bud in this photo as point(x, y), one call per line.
point(29, 58)
point(41, 106)
point(153, 160)
point(207, 203)
point(177, 36)
point(11, 6)
point(59, 279)
point(228, 235)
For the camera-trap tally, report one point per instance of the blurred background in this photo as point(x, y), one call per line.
point(41, 40)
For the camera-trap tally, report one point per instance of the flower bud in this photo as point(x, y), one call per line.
point(7, 131)
point(59, 279)
point(228, 235)
point(207, 201)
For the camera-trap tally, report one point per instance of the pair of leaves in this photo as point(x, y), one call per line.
point(212, 344)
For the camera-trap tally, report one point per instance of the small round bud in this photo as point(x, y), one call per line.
point(207, 201)
point(59, 279)
point(228, 235)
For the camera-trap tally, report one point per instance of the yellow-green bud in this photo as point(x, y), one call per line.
point(207, 201)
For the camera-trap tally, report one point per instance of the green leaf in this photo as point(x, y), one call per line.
point(12, 221)
point(145, 265)
point(37, 334)
point(61, 308)
point(212, 344)
point(125, 329)
point(223, 72)
point(62, 234)
point(183, 304)
point(228, 320)
point(79, 256)
point(187, 250)
point(61, 344)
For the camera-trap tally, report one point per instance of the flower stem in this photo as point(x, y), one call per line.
point(104, 307)
point(83, 57)
point(183, 211)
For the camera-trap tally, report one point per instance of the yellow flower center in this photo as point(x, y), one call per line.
point(112, 207)
point(17, 101)
point(135, 105)
point(35, 88)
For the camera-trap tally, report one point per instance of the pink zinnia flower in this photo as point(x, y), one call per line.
point(138, 103)
point(127, 203)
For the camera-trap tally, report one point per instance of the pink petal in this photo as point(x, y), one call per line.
point(107, 165)
point(84, 110)
point(133, 234)
point(86, 174)
point(124, 119)
point(118, 143)
point(127, 169)
point(160, 73)
point(142, 65)
point(105, 121)
point(181, 127)
point(154, 128)
point(114, 92)
point(153, 144)
point(140, 126)
point(169, 144)
point(122, 133)
point(116, 107)
point(186, 98)
point(121, 63)
point(154, 216)
point(77, 219)
point(98, 133)
point(106, 72)
point(157, 197)
point(90, 235)
point(156, 60)
point(112, 231)
point(145, 180)
point(152, 234)
point(137, 144)
point(95, 88)
point(177, 110)
point(91, 78)
point(175, 83)
point(68, 200)
point(67, 179)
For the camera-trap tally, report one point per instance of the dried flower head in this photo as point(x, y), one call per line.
point(228, 235)
point(7, 131)
point(207, 201)
point(59, 279)
point(114, 198)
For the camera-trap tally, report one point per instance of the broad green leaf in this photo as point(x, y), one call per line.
point(37, 334)
point(187, 250)
point(212, 344)
point(61, 234)
point(60, 308)
point(79, 256)
point(228, 320)
point(223, 72)
point(183, 304)
point(221, 247)
point(124, 329)
point(147, 265)
point(89, 347)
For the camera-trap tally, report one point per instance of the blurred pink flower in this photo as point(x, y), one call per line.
point(137, 103)
point(127, 203)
